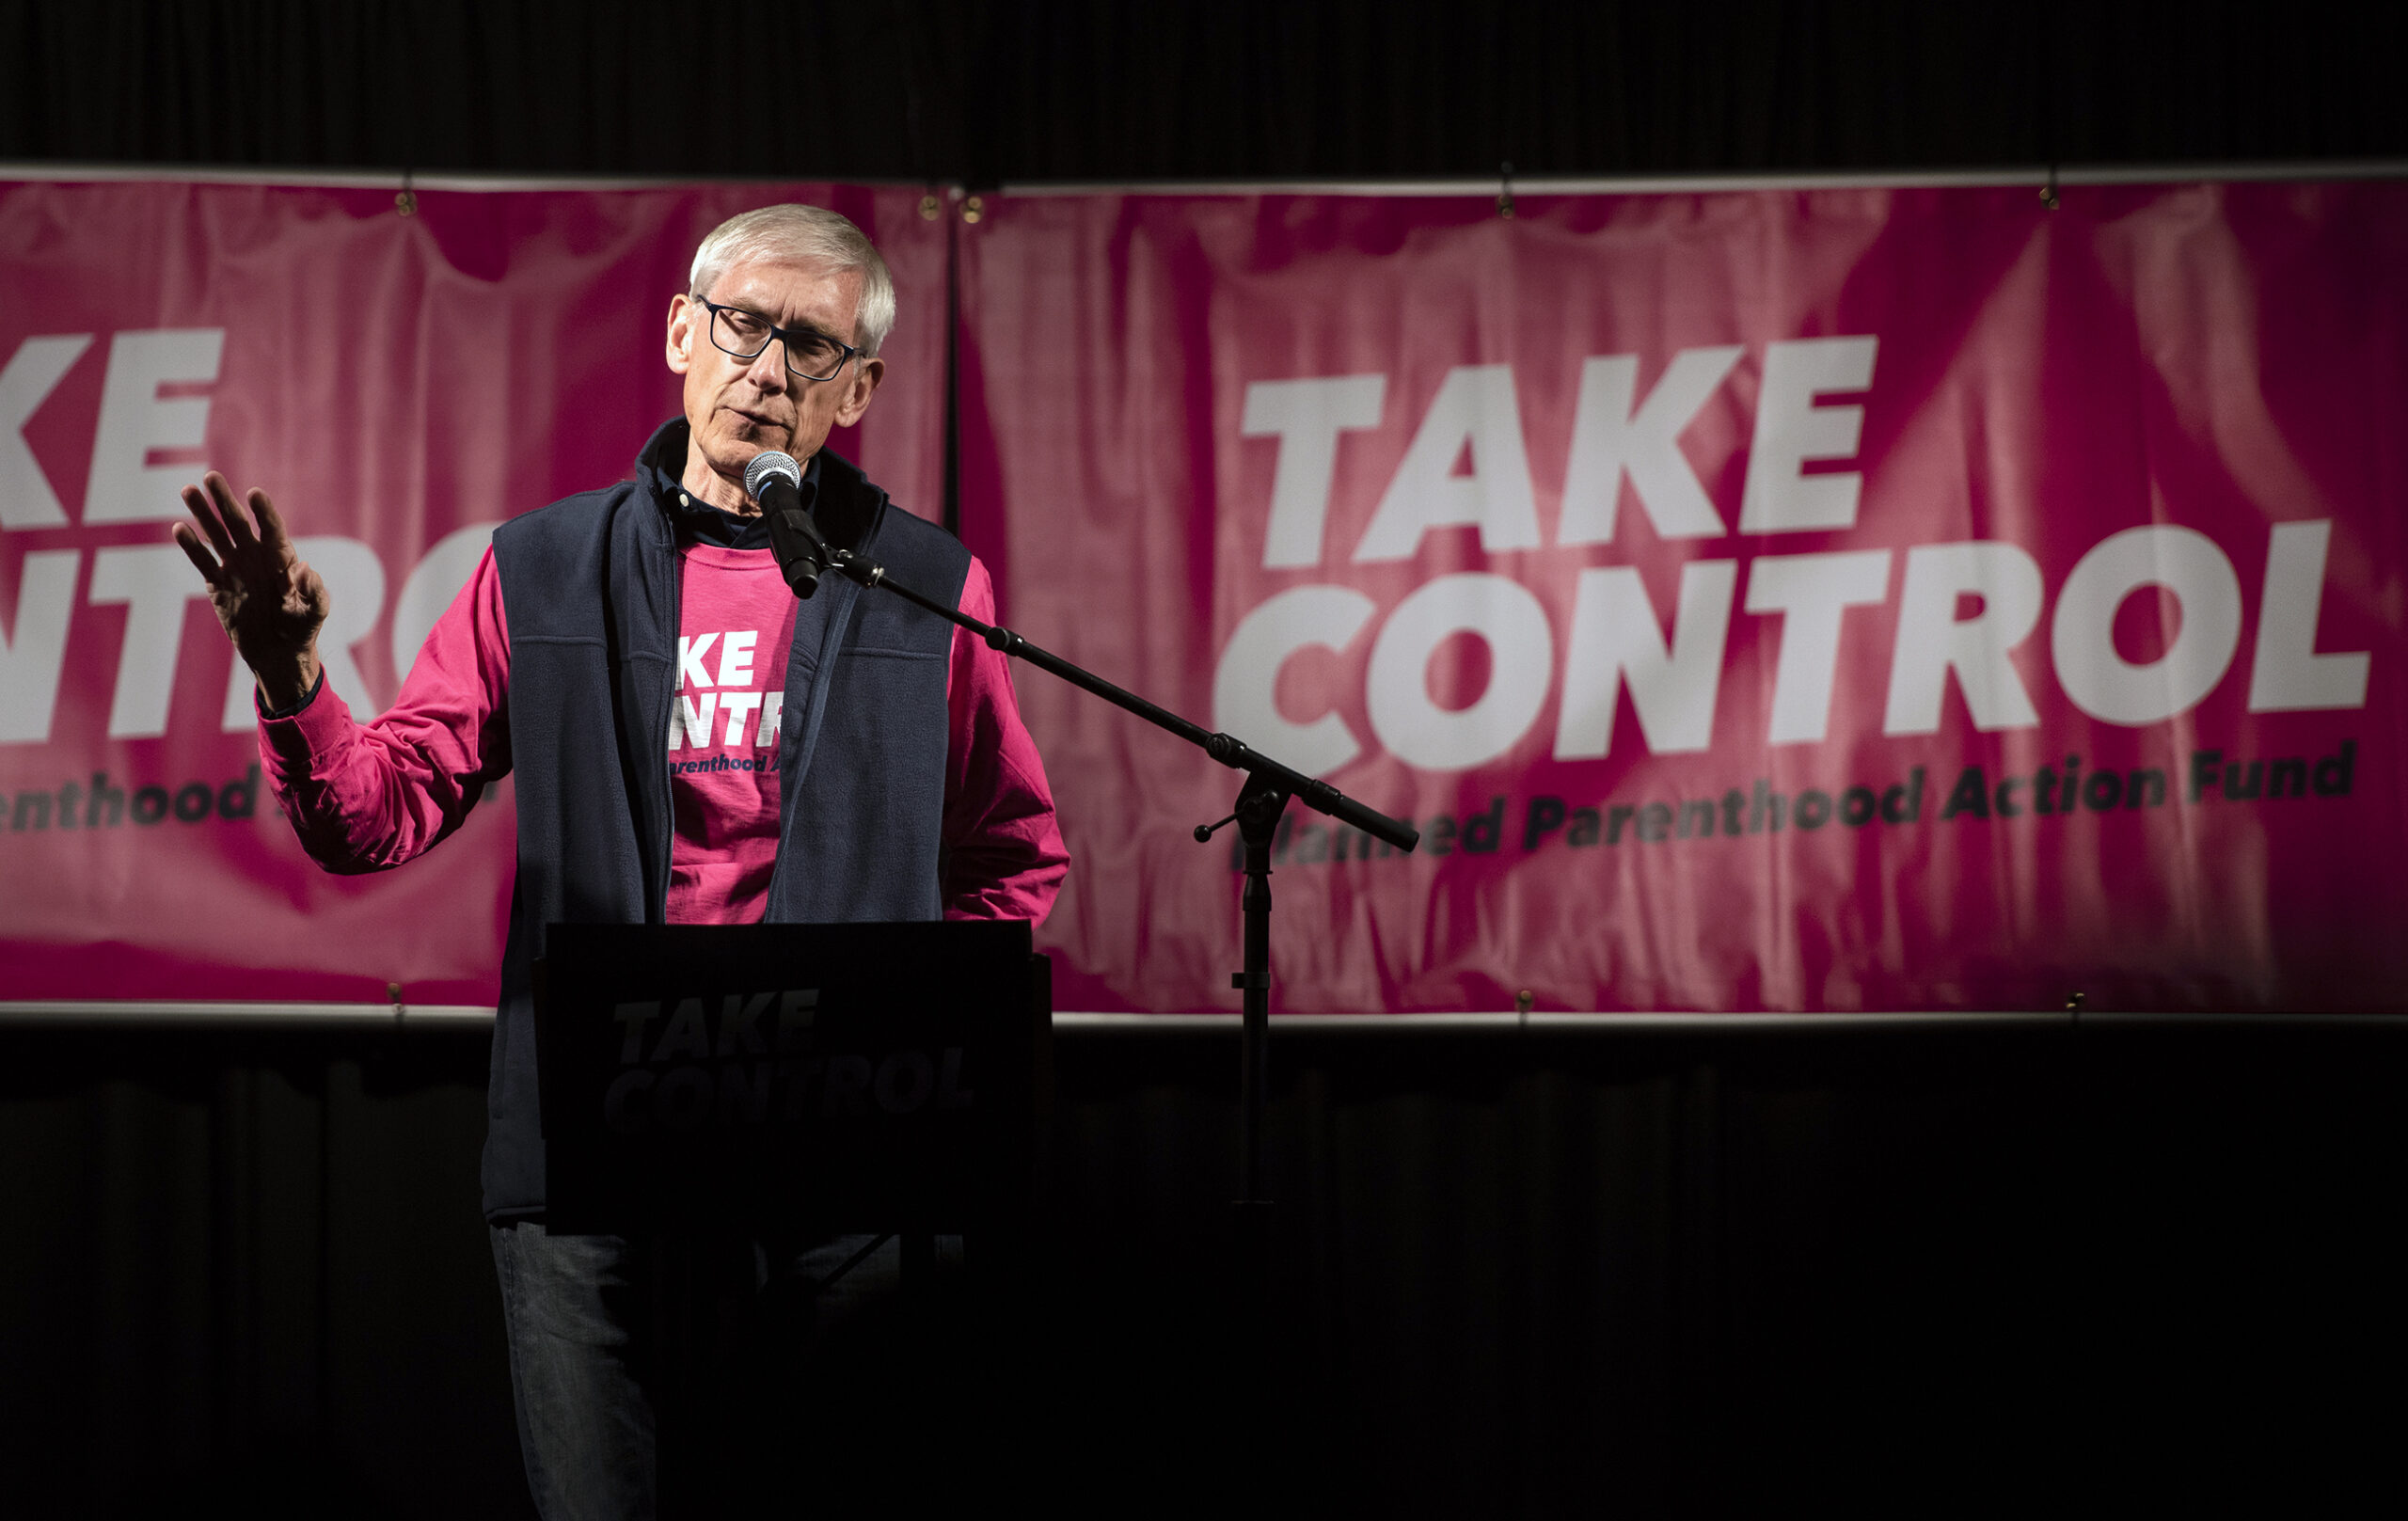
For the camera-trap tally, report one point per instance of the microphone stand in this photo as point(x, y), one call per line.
point(1261, 800)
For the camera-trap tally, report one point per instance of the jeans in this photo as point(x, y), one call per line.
point(703, 1352)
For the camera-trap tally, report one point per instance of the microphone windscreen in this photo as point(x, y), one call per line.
point(770, 464)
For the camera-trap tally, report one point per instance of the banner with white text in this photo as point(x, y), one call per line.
point(1830, 599)
point(398, 383)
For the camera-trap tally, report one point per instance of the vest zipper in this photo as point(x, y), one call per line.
point(669, 717)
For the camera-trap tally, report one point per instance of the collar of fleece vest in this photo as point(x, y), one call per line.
point(842, 518)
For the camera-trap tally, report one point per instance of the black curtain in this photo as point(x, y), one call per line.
point(2149, 1266)
point(990, 91)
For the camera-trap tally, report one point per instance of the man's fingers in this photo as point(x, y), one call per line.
point(271, 522)
point(202, 561)
point(221, 492)
point(206, 515)
point(232, 532)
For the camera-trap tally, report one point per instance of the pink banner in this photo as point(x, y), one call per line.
point(1790, 600)
point(399, 383)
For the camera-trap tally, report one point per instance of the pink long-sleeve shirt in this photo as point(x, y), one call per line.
point(368, 797)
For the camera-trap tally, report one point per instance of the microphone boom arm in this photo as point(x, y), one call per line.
point(1229, 750)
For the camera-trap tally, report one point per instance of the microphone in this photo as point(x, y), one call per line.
point(775, 481)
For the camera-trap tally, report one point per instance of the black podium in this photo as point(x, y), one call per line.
point(809, 1079)
point(726, 1095)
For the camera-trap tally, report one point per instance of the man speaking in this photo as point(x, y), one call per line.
point(691, 745)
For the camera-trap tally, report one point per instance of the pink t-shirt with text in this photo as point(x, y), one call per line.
point(736, 622)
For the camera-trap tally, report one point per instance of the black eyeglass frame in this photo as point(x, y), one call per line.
point(777, 335)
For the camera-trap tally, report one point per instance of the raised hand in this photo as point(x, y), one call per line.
point(271, 604)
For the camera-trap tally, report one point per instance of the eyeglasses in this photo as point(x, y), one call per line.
point(744, 335)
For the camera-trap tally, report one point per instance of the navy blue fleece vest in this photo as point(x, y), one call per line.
point(589, 586)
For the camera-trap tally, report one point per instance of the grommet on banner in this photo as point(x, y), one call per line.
point(1505, 190)
point(973, 208)
point(406, 202)
point(1522, 1001)
point(928, 207)
point(2049, 191)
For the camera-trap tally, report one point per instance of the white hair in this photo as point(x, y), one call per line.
point(805, 235)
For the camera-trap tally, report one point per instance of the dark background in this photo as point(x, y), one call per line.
point(1950, 1270)
point(2149, 1267)
point(1014, 91)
